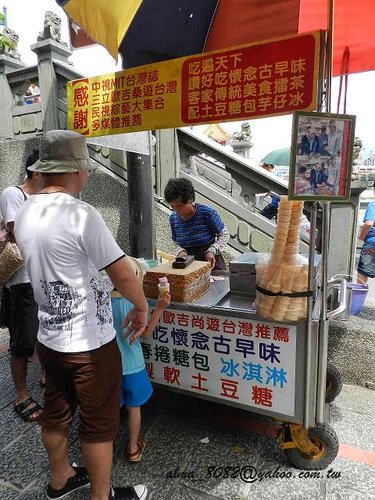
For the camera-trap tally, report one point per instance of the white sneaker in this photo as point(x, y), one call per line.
point(138, 492)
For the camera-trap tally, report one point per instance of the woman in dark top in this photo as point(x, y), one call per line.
point(196, 229)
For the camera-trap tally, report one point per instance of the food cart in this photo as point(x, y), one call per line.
point(217, 347)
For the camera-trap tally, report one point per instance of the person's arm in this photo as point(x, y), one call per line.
point(222, 239)
point(368, 221)
point(366, 228)
point(10, 227)
point(162, 303)
point(12, 200)
point(127, 283)
point(220, 233)
point(178, 251)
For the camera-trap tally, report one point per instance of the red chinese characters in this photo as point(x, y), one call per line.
point(120, 102)
point(249, 82)
point(262, 396)
point(199, 383)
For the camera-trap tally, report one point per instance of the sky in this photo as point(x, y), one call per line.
point(267, 133)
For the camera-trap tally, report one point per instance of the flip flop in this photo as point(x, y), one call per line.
point(136, 456)
point(25, 413)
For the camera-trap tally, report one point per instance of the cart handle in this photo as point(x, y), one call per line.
point(343, 300)
point(349, 277)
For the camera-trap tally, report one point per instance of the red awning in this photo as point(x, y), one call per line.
point(153, 33)
point(246, 21)
point(354, 27)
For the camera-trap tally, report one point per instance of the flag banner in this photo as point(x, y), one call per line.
point(245, 82)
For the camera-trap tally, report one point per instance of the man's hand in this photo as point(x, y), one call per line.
point(210, 257)
point(135, 324)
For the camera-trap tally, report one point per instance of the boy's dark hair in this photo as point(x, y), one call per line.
point(266, 164)
point(30, 160)
point(179, 189)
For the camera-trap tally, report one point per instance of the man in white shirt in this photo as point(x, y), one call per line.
point(64, 243)
point(22, 310)
point(334, 139)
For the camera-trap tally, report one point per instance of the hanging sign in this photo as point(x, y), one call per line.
point(251, 81)
point(322, 156)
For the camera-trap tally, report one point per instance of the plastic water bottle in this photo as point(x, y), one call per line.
point(163, 285)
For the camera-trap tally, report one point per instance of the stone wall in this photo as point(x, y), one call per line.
point(12, 160)
point(105, 191)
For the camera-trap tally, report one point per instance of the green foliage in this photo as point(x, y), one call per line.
point(5, 41)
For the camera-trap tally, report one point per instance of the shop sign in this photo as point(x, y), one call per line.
point(251, 81)
point(251, 362)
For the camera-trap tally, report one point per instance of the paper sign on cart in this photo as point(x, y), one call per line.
point(244, 361)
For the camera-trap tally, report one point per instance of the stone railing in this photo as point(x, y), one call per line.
point(225, 181)
point(28, 111)
point(26, 118)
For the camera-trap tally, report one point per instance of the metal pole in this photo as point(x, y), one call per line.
point(329, 54)
point(323, 322)
point(354, 239)
point(312, 285)
point(141, 205)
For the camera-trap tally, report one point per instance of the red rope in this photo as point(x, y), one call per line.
point(344, 77)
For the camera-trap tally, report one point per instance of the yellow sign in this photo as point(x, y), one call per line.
point(271, 78)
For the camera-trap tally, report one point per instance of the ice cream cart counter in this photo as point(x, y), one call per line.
point(219, 348)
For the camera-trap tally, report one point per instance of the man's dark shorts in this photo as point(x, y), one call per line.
point(22, 321)
point(90, 381)
point(366, 264)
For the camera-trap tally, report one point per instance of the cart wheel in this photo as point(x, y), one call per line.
point(333, 383)
point(325, 439)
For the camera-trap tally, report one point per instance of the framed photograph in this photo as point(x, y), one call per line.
point(322, 156)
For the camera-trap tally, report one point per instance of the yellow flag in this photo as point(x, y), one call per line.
point(104, 21)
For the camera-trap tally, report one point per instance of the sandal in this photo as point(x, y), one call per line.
point(136, 456)
point(24, 410)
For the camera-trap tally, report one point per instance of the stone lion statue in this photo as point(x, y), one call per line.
point(13, 38)
point(357, 148)
point(52, 28)
point(244, 134)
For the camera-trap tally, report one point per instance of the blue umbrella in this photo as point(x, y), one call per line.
point(279, 157)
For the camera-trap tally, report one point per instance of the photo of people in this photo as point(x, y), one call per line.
point(321, 160)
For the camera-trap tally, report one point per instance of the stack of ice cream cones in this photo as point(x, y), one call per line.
point(285, 271)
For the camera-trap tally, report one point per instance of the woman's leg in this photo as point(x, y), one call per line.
point(361, 278)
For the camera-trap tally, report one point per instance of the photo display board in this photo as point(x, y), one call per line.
point(322, 156)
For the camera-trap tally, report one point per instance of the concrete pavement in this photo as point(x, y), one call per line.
point(189, 440)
